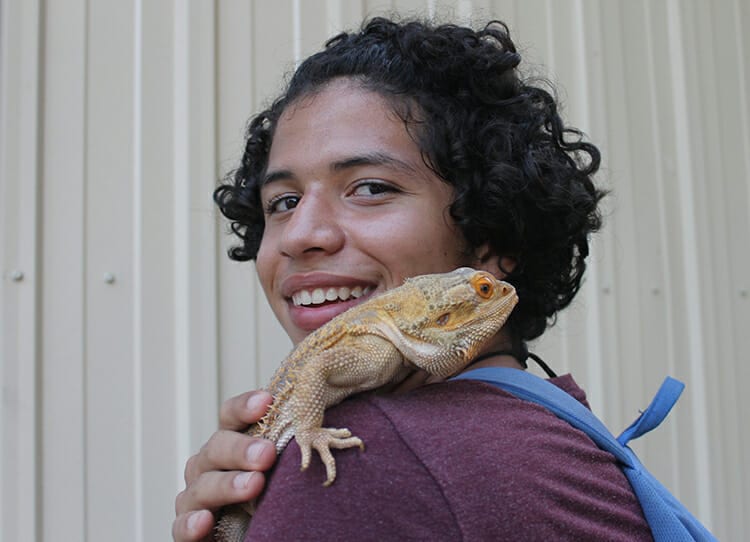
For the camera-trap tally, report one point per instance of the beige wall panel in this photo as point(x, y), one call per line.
point(739, 199)
point(504, 10)
point(199, 222)
point(718, 242)
point(20, 30)
point(406, 8)
point(63, 369)
point(344, 15)
point(374, 7)
point(564, 58)
point(647, 276)
point(696, 266)
point(313, 24)
point(676, 284)
point(156, 233)
point(238, 292)
point(110, 377)
point(273, 56)
point(118, 117)
point(273, 48)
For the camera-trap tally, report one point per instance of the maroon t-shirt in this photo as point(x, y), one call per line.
point(461, 460)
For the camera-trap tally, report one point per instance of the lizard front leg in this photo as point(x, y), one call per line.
point(337, 374)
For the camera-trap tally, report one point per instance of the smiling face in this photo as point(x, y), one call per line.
point(350, 208)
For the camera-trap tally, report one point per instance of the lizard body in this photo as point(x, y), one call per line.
point(437, 323)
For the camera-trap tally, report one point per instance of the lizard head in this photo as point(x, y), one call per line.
point(450, 317)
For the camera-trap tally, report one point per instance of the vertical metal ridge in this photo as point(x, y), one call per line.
point(296, 32)
point(138, 268)
point(675, 465)
point(85, 505)
point(691, 260)
point(181, 114)
point(31, 252)
point(21, 47)
point(593, 313)
point(627, 306)
point(744, 107)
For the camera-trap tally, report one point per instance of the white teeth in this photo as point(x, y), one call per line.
point(319, 295)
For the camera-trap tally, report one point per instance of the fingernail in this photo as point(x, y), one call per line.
point(240, 481)
point(193, 519)
point(255, 402)
point(254, 451)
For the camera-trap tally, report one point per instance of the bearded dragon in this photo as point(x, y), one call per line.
point(437, 323)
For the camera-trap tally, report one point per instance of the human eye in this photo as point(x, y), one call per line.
point(281, 203)
point(373, 187)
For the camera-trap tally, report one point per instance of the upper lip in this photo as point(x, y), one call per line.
point(308, 281)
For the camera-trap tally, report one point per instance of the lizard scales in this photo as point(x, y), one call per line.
point(437, 323)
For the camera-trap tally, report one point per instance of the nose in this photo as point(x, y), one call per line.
point(313, 228)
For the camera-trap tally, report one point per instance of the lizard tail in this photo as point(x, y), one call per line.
point(232, 524)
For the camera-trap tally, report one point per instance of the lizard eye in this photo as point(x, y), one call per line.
point(443, 319)
point(484, 286)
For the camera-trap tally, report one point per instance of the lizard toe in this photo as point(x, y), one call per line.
point(323, 439)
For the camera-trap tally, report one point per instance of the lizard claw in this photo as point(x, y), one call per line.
point(323, 439)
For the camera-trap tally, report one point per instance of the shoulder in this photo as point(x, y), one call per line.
point(382, 493)
point(460, 460)
point(508, 466)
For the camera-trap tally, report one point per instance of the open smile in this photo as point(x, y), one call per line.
point(318, 296)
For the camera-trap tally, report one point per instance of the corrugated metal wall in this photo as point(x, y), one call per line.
point(123, 324)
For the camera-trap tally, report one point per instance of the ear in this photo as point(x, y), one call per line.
point(488, 260)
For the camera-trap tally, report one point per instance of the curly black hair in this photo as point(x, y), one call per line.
point(522, 179)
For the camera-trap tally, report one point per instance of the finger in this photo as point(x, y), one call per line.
point(216, 489)
point(240, 411)
point(193, 526)
point(229, 450)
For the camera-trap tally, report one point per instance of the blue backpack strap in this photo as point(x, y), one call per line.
point(659, 408)
point(666, 516)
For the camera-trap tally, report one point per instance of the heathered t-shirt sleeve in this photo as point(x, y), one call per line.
point(454, 461)
point(383, 493)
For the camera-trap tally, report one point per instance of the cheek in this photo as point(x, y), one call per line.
point(422, 238)
point(264, 266)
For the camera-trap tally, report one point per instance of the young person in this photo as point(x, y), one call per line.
point(399, 150)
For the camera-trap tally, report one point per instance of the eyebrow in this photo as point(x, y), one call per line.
point(359, 160)
point(276, 176)
point(373, 159)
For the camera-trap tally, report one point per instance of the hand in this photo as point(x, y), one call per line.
point(228, 468)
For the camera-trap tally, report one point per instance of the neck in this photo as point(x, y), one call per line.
point(495, 359)
point(498, 353)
